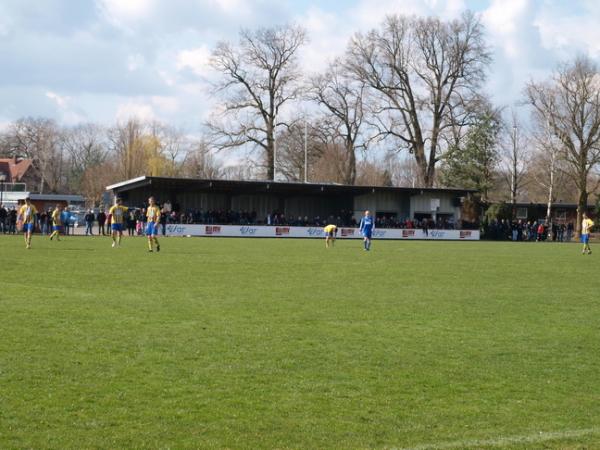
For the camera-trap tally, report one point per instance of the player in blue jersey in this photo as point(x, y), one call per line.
point(367, 225)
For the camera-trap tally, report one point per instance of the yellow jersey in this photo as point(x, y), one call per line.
point(117, 213)
point(153, 214)
point(586, 226)
point(27, 213)
point(330, 228)
point(56, 219)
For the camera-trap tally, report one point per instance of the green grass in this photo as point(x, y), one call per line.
point(264, 343)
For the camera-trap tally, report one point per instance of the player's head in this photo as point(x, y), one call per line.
point(151, 201)
point(367, 213)
point(118, 201)
point(58, 206)
point(27, 200)
point(584, 215)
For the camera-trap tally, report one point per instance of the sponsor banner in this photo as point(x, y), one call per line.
point(316, 232)
point(282, 231)
point(212, 230)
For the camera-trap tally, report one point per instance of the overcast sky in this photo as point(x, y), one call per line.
point(106, 60)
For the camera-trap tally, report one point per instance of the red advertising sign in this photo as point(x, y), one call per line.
point(282, 231)
point(464, 234)
point(347, 231)
point(211, 229)
point(408, 233)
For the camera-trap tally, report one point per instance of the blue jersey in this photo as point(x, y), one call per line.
point(367, 223)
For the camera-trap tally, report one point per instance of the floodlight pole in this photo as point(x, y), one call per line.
point(2, 178)
point(513, 181)
point(274, 155)
point(305, 151)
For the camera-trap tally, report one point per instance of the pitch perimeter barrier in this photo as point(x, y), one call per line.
point(315, 232)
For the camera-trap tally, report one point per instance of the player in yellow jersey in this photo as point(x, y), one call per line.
point(116, 216)
point(27, 215)
point(330, 233)
point(586, 228)
point(153, 220)
point(57, 225)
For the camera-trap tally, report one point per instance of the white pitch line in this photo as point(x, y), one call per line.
point(542, 436)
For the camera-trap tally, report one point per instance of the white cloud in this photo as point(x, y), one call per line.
point(135, 62)
point(125, 12)
point(67, 113)
point(166, 105)
point(196, 60)
point(117, 58)
point(566, 33)
point(60, 101)
point(504, 21)
point(234, 7)
point(132, 108)
point(328, 37)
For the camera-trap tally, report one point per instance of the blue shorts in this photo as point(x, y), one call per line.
point(117, 227)
point(367, 233)
point(58, 228)
point(585, 238)
point(151, 229)
point(27, 228)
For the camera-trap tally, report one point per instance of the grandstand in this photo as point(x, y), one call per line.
point(295, 199)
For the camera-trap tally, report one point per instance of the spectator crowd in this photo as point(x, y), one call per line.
point(95, 222)
point(520, 230)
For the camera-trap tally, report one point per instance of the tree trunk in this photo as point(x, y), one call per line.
point(350, 175)
point(270, 158)
point(271, 150)
point(550, 189)
point(422, 166)
point(581, 208)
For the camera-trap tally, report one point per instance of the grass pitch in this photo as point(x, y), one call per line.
point(265, 343)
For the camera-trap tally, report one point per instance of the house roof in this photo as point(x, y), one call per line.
point(14, 168)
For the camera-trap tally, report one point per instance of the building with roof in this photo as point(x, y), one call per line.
point(15, 169)
point(294, 199)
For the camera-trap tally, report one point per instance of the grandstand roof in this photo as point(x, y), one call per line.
point(278, 187)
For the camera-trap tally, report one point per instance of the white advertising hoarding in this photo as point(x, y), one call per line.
point(315, 232)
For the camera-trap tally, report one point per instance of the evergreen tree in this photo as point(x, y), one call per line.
point(472, 163)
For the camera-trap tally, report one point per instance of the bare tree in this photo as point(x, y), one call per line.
point(86, 147)
point(40, 140)
point(403, 170)
point(343, 99)
point(126, 141)
point(549, 169)
point(299, 149)
point(172, 146)
point(373, 173)
point(569, 105)
point(97, 177)
point(199, 162)
point(515, 156)
point(259, 76)
point(427, 74)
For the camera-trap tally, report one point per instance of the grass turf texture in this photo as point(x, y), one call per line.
point(264, 343)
